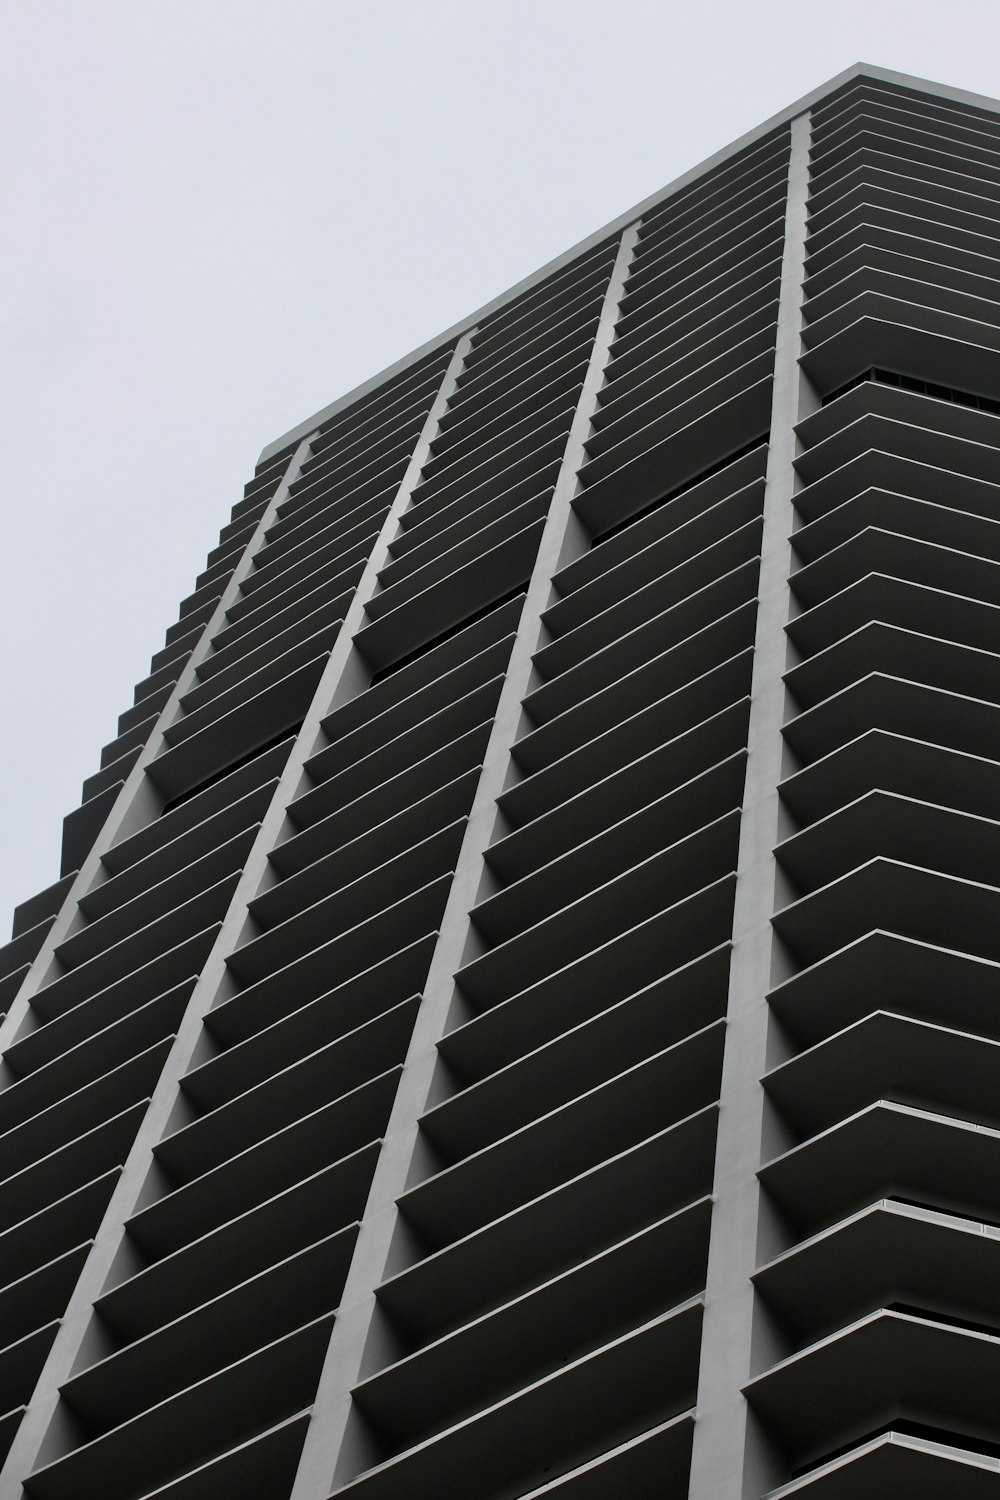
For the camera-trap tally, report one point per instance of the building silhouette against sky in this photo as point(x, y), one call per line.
point(520, 1015)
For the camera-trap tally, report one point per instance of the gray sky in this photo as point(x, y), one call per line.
point(221, 214)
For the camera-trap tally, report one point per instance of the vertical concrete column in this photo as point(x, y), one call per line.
point(726, 1464)
point(335, 1448)
point(132, 807)
point(40, 1436)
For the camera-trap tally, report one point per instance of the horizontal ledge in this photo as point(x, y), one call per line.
point(886, 1253)
point(622, 1287)
point(888, 1056)
point(613, 1388)
point(886, 1361)
point(893, 763)
point(896, 1463)
point(887, 970)
point(683, 526)
point(191, 1425)
point(884, 1149)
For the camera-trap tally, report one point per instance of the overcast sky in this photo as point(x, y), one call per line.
point(219, 215)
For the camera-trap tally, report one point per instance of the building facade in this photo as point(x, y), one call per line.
point(520, 1016)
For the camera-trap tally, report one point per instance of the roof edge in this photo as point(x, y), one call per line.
point(615, 226)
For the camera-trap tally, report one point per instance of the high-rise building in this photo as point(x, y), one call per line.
point(520, 1016)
